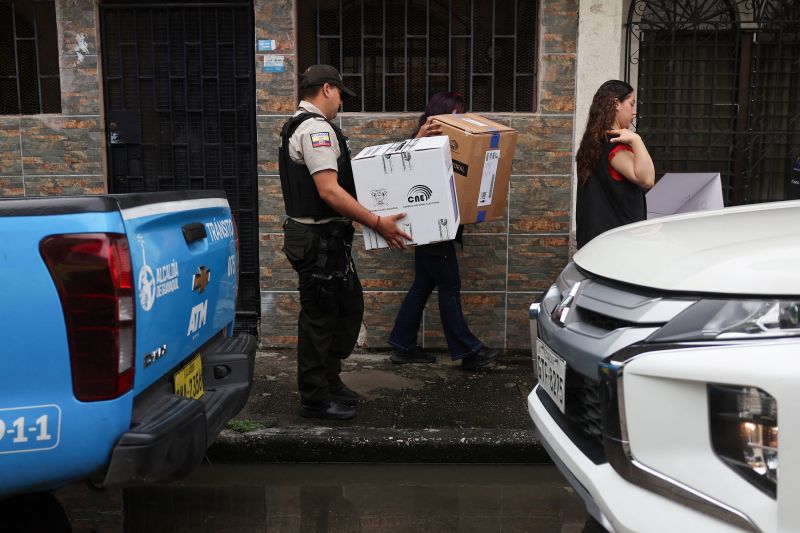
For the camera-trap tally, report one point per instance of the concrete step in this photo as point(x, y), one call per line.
point(418, 413)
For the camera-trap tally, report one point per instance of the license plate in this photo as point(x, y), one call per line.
point(551, 371)
point(189, 379)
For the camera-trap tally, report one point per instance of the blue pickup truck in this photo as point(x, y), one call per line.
point(119, 363)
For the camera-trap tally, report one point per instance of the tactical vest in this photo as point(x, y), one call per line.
point(300, 195)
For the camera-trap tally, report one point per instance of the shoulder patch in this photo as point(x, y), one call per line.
point(320, 139)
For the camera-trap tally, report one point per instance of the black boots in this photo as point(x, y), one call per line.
point(417, 355)
point(333, 410)
point(480, 359)
point(343, 394)
point(340, 407)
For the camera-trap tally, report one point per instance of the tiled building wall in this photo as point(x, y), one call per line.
point(503, 264)
point(60, 154)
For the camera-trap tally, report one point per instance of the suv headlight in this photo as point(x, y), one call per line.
point(744, 433)
point(733, 319)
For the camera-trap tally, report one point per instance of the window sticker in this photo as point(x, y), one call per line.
point(273, 63)
point(266, 45)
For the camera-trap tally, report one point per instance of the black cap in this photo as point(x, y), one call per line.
point(320, 74)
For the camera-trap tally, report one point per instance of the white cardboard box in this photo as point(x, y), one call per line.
point(414, 177)
point(684, 192)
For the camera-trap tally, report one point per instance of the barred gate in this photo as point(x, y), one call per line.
point(718, 86)
point(179, 93)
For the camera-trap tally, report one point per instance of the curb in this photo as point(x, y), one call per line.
point(379, 445)
point(433, 413)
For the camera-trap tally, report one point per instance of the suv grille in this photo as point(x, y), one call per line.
point(582, 404)
point(607, 316)
point(605, 322)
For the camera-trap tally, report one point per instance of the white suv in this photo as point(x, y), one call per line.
point(666, 353)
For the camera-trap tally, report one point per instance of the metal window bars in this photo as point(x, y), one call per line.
point(29, 66)
point(396, 53)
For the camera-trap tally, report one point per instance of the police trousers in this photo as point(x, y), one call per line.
point(331, 303)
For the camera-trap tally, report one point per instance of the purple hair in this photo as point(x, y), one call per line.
point(442, 103)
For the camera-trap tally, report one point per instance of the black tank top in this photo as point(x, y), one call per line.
point(604, 203)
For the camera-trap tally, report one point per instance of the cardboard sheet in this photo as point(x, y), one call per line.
point(684, 192)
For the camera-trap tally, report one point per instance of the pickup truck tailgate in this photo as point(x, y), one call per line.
point(183, 254)
point(94, 287)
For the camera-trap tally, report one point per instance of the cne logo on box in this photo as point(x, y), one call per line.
point(198, 317)
point(419, 193)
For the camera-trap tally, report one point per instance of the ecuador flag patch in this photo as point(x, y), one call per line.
point(320, 139)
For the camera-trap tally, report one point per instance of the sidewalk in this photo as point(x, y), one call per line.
point(431, 413)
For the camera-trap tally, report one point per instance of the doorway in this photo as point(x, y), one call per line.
point(179, 91)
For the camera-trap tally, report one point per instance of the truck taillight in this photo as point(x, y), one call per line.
point(94, 278)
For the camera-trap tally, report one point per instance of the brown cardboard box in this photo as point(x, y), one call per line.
point(482, 152)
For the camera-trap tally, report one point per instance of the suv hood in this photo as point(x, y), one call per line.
point(752, 249)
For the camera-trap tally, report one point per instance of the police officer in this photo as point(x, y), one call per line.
point(319, 194)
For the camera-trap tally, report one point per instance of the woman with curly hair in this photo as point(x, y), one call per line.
point(614, 167)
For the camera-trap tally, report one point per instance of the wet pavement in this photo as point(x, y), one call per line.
point(338, 498)
point(433, 448)
point(426, 413)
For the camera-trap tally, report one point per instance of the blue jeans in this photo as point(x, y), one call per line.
point(441, 272)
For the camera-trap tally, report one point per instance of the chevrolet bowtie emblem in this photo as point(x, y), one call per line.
point(201, 279)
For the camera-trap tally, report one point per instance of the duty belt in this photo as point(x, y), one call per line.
point(330, 234)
